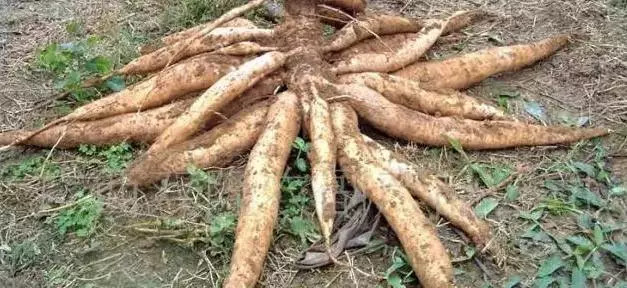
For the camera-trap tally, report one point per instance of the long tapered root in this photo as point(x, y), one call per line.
point(215, 98)
point(386, 62)
point(141, 127)
point(410, 94)
point(196, 30)
point(466, 70)
point(322, 159)
point(431, 190)
point(404, 123)
point(171, 54)
point(262, 191)
point(215, 148)
point(369, 27)
point(425, 252)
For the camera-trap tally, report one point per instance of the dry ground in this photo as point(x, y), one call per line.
point(589, 78)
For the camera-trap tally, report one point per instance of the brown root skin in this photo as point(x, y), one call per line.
point(262, 191)
point(193, 75)
point(194, 31)
point(404, 123)
point(428, 188)
point(463, 71)
point(408, 53)
point(244, 48)
point(171, 54)
point(410, 94)
point(368, 27)
point(333, 16)
point(425, 252)
point(191, 32)
point(322, 158)
point(350, 6)
point(141, 127)
point(216, 97)
point(215, 148)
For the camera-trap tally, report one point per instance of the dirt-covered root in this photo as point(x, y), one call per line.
point(463, 71)
point(369, 27)
point(410, 94)
point(350, 6)
point(216, 97)
point(191, 32)
point(189, 76)
point(425, 252)
point(333, 16)
point(404, 123)
point(408, 53)
point(214, 148)
point(322, 157)
point(218, 38)
point(195, 31)
point(428, 188)
point(244, 48)
point(141, 127)
point(262, 191)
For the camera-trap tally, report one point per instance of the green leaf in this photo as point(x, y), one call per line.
point(577, 279)
point(99, 65)
point(543, 282)
point(584, 221)
point(550, 265)
point(512, 282)
point(618, 191)
point(302, 228)
point(553, 186)
point(586, 196)
point(457, 146)
point(534, 215)
point(598, 235)
point(491, 175)
point(301, 164)
point(300, 145)
point(618, 250)
point(115, 83)
point(485, 207)
point(535, 233)
point(395, 281)
point(595, 268)
point(585, 168)
point(511, 193)
point(583, 244)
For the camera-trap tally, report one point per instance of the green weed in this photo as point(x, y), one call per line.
point(31, 167)
point(19, 256)
point(80, 216)
point(116, 157)
point(201, 180)
point(73, 62)
point(294, 201)
point(222, 233)
point(400, 272)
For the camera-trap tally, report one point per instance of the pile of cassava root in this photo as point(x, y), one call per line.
point(262, 86)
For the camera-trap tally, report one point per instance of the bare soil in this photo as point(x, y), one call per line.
point(589, 78)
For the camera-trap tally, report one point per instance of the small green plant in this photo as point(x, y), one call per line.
point(302, 148)
point(294, 201)
point(400, 272)
point(19, 256)
point(81, 216)
point(200, 180)
point(222, 233)
point(73, 62)
point(31, 167)
point(116, 157)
